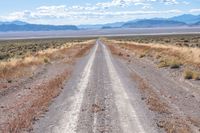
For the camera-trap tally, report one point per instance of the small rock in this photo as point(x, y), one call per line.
point(9, 81)
point(83, 110)
point(120, 54)
point(143, 98)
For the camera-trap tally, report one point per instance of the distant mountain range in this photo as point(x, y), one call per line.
point(13, 22)
point(103, 26)
point(186, 20)
point(196, 24)
point(23, 26)
point(150, 23)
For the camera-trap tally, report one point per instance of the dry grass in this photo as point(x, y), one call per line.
point(185, 55)
point(19, 48)
point(165, 55)
point(84, 50)
point(16, 68)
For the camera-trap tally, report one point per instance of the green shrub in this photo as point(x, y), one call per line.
point(46, 60)
point(196, 76)
point(164, 63)
point(4, 56)
point(142, 56)
point(188, 74)
point(175, 64)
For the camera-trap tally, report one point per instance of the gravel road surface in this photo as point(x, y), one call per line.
point(100, 97)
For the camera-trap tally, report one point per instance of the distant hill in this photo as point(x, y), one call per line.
point(196, 24)
point(23, 26)
point(187, 18)
point(106, 27)
point(102, 26)
point(149, 23)
point(14, 22)
point(177, 21)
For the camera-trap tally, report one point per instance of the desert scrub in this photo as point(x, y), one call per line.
point(163, 63)
point(196, 76)
point(158, 56)
point(46, 60)
point(173, 64)
point(177, 40)
point(17, 67)
point(187, 55)
point(189, 74)
point(4, 56)
point(142, 55)
point(19, 48)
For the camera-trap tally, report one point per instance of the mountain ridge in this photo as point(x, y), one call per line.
point(177, 21)
point(150, 23)
point(23, 26)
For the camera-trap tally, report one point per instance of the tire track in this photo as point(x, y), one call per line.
point(128, 116)
point(69, 125)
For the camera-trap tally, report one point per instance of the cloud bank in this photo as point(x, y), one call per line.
point(101, 12)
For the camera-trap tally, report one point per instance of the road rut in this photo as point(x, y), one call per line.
point(100, 97)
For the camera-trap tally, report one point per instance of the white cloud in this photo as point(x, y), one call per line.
point(62, 14)
point(135, 2)
point(195, 10)
point(170, 2)
point(77, 15)
point(144, 5)
point(60, 7)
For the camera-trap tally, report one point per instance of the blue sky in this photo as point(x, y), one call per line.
point(77, 12)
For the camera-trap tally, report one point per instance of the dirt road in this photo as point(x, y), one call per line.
point(100, 97)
